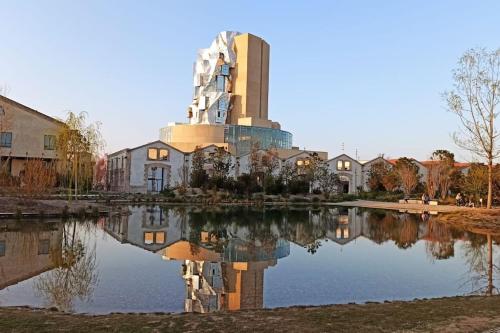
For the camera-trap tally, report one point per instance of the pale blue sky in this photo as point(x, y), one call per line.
point(366, 73)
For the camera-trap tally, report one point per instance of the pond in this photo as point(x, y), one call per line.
point(176, 259)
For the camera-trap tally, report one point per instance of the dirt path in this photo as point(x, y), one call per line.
point(457, 314)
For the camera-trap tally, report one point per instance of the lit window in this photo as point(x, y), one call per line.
point(338, 233)
point(339, 165)
point(6, 139)
point(148, 238)
point(300, 162)
point(221, 80)
point(43, 246)
point(347, 165)
point(306, 162)
point(346, 233)
point(49, 142)
point(160, 237)
point(153, 153)
point(163, 154)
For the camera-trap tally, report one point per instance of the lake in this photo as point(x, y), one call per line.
point(176, 259)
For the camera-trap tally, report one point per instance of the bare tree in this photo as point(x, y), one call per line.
point(474, 100)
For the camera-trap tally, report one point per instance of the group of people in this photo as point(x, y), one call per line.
point(461, 200)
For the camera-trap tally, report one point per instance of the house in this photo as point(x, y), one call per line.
point(350, 172)
point(367, 166)
point(149, 168)
point(25, 134)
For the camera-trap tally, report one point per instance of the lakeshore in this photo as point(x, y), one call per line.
point(456, 314)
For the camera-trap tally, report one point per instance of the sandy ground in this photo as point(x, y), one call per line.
point(457, 314)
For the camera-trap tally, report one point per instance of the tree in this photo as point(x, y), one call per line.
point(38, 176)
point(476, 181)
point(221, 164)
point(474, 100)
point(198, 173)
point(440, 173)
point(328, 181)
point(377, 171)
point(78, 144)
point(382, 177)
point(407, 172)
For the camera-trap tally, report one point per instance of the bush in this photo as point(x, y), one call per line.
point(298, 186)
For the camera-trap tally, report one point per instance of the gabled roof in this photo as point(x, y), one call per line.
point(30, 110)
point(144, 145)
point(374, 159)
point(341, 155)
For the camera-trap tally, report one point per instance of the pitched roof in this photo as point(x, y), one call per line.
point(349, 157)
point(30, 110)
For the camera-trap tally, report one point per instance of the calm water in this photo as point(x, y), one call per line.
point(183, 259)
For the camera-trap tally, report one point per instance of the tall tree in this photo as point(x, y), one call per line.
point(79, 144)
point(407, 171)
point(474, 100)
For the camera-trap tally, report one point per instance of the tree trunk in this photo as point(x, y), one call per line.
point(490, 183)
point(489, 291)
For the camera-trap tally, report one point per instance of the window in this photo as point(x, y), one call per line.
point(300, 162)
point(49, 142)
point(2, 248)
point(152, 153)
point(344, 165)
point(6, 139)
point(222, 104)
point(221, 80)
point(224, 69)
point(43, 246)
point(163, 154)
point(160, 237)
point(148, 238)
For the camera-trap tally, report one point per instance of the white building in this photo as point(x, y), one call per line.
point(149, 168)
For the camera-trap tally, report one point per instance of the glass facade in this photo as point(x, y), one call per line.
point(242, 138)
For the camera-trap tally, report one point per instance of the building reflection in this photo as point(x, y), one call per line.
point(28, 249)
point(225, 252)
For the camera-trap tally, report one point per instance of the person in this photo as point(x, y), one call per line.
point(481, 202)
point(458, 199)
point(471, 202)
point(425, 199)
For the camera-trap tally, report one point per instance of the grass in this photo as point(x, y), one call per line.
point(457, 314)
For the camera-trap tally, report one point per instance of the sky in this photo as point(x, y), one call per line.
point(354, 77)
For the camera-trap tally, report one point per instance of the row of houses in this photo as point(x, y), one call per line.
point(26, 133)
point(155, 166)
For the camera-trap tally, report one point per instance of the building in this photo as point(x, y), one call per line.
point(151, 167)
point(27, 250)
point(24, 134)
point(230, 99)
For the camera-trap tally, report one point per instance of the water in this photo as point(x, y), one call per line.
point(188, 259)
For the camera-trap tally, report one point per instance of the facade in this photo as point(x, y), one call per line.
point(149, 168)
point(230, 99)
point(350, 172)
point(25, 133)
point(27, 250)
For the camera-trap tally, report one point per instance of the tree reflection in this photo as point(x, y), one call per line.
point(479, 258)
point(76, 275)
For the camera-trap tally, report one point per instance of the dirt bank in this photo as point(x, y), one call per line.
point(457, 314)
point(417, 207)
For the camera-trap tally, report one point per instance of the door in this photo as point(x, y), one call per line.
point(156, 179)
